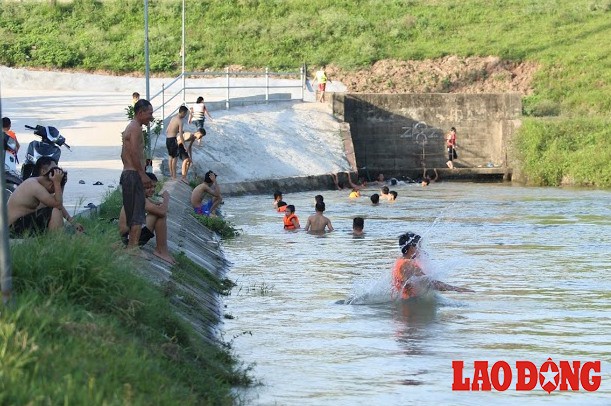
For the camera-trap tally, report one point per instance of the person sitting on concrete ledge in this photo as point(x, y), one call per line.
point(339, 185)
point(156, 224)
point(427, 179)
point(210, 188)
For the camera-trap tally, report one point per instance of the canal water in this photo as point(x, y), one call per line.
point(538, 259)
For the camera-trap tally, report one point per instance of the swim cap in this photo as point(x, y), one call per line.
point(407, 240)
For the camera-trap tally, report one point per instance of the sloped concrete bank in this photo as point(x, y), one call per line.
point(192, 296)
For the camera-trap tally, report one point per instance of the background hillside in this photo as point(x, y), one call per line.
point(555, 52)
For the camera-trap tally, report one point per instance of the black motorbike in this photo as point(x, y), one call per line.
point(49, 145)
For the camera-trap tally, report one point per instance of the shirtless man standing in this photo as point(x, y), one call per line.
point(208, 187)
point(37, 204)
point(133, 178)
point(175, 130)
point(317, 222)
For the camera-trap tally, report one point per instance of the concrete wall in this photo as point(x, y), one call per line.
point(398, 134)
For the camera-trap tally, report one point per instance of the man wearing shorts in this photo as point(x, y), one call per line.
point(134, 178)
point(208, 189)
point(198, 115)
point(174, 134)
point(186, 154)
point(321, 78)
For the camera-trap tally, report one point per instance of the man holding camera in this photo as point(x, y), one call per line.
point(37, 204)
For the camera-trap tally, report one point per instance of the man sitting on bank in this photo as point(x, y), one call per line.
point(208, 188)
point(156, 225)
point(37, 204)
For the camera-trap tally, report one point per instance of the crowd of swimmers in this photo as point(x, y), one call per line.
point(408, 277)
point(37, 204)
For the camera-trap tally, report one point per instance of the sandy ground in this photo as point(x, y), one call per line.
point(243, 143)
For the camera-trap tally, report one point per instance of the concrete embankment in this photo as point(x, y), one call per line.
point(192, 296)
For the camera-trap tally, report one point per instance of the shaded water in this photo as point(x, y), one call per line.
point(537, 258)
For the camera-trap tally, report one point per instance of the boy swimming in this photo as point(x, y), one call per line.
point(408, 278)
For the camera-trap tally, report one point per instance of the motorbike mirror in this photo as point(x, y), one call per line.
point(40, 131)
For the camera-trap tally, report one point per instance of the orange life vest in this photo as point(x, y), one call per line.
point(288, 224)
point(282, 209)
point(406, 291)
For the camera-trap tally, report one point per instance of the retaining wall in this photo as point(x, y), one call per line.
point(397, 134)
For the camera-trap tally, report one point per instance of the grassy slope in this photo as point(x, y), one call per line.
point(568, 38)
point(86, 330)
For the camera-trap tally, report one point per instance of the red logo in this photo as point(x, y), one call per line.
point(566, 375)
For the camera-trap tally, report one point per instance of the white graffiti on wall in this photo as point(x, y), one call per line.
point(420, 132)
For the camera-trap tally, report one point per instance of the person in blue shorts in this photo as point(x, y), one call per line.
point(206, 197)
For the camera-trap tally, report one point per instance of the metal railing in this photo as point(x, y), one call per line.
point(227, 88)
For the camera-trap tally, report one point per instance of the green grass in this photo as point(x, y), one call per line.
point(85, 329)
point(568, 39)
point(566, 151)
point(222, 227)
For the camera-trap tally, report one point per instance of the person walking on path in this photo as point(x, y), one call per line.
point(321, 79)
point(198, 115)
point(134, 178)
point(451, 146)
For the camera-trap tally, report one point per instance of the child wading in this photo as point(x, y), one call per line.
point(291, 221)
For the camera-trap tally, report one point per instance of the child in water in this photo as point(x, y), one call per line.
point(408, 278)
point(355, 193)
point(291, 221)
point(277, 198)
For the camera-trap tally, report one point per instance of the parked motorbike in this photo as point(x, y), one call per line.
point(50, 145)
